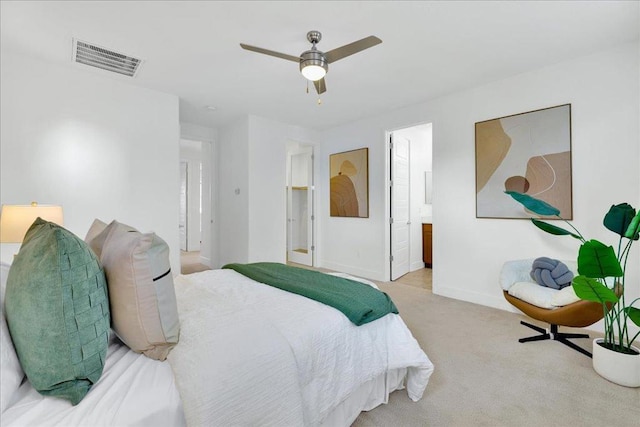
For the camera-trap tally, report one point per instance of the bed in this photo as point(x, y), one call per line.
point(249, 354)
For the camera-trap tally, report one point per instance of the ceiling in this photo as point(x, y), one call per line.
point(429, 49)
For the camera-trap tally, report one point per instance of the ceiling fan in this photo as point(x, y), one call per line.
point(314, 64)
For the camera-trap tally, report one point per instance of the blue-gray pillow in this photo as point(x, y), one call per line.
point(57, 311)
point(551, 273)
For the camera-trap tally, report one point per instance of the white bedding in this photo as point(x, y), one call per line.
point(132, 391)
point(251, 354)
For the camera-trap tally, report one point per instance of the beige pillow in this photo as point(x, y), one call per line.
point(97, 227)
point(144, 311)
point(95, 237)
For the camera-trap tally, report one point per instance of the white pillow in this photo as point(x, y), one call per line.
point(515, 271)
point(564, 296)
point(10, 370)
point(533, 293)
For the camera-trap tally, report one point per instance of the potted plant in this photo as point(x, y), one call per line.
point(601, 278)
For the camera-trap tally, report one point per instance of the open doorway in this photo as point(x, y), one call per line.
point(410, 204)
point(195, 206)
point(300, 205)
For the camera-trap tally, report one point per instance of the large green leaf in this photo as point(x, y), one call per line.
point(619, 217)
point(597, 260)
point(590, 289)
point(634, 314)
point(553, 229)
point(537, 206)
point(633, 231)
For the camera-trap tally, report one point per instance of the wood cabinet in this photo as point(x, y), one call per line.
point(426, 244)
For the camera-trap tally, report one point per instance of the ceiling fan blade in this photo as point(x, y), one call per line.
point(270, 52)
point(320, 85)
point(351, 48)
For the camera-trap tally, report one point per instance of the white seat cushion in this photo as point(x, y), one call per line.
point(541, 296)
point(564, 296)
point(533, 293)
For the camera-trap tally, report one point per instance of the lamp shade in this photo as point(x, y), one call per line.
point(313, 65)
point(313, 72)
point(15, 220)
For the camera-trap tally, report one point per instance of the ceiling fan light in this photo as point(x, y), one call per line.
point(313, 72)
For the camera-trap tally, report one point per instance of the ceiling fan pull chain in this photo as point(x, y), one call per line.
point(307, 86)
point(319, 101)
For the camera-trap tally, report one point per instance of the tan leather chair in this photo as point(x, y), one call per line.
point(579, 314)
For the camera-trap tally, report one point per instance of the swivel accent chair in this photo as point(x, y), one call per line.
point(577, 314)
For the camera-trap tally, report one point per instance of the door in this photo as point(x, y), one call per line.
point(300, 207)
point(400, 209)
point(182, 222)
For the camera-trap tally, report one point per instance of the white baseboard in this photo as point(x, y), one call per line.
point(366, 274)
point(496, 301)
point(417, 265)
point(206, 261)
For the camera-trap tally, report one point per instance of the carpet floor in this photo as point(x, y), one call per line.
point(484, 377)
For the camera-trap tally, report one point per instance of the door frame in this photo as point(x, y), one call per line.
point(387, 193)
point(208, 232)
point(311, 233)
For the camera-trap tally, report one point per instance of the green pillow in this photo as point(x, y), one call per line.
point(57, 310)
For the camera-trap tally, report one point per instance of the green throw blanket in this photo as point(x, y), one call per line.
point(360, 302)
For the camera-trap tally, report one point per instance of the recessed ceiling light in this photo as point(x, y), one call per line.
point(211, 108)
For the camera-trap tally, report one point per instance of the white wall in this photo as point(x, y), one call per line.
point(98, 146)
point(252, 159)
point(468, 252)
point(232, 208)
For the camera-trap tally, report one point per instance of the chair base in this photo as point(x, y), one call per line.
point(553, 334)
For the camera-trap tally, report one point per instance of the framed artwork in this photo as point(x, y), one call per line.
point(529, 153)
point(349, 183)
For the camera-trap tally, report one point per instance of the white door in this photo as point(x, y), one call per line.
point(300, 207)
point(182, 224)
point(400, 219)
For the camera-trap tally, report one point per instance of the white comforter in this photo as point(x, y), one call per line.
point(251, 354)
point(132, 391)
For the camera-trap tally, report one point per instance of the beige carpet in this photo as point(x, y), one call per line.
point(190, 262)
point(484, 377)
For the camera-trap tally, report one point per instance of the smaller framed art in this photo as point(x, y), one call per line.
point(349, 183)
point(529, 153)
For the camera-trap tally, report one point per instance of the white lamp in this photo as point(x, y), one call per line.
point(313, 65)
point(15, 220)
point(313, 72)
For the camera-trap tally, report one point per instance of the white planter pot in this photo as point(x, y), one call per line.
point(619, 368)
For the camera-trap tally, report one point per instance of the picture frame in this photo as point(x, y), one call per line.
point(529, 153)
point(349, 184)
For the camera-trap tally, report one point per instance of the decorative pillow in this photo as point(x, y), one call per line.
point(141, 291)
point(533, 293)
point(96, 228)
point(515, 271)
point(10, 370)
point(58, 313)
point(551, 273)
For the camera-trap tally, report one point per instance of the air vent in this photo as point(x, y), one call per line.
point(105, 59)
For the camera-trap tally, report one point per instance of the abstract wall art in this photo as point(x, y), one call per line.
point(529, 153)
point(349, 183)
